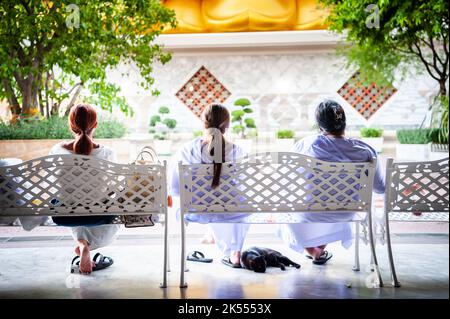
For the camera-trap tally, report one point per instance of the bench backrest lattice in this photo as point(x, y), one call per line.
point(417, 186)
point(278, 182)
point(79, 185)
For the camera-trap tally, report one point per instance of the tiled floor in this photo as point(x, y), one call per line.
point(38, 268)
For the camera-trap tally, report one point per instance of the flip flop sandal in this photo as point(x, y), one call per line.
point(226, 261)
point(310, 257)
point(323, 258)
point(199, 257)
point(101, 262)
point(75, 265)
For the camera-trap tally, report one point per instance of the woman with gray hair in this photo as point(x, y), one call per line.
point(330, 145)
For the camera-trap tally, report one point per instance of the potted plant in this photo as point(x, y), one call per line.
point(414, 145)
point(439, 144)
point(243, 125)
point(161, 126)
point(285, 140)
point(440, 136)
point(373, 137)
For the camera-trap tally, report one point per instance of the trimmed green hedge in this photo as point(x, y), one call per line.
point(419, 136)
point(56, 128)
point(285, 134)
point(371, 132)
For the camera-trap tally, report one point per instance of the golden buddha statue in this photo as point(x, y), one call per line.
point(189, 15)
point(245, 15)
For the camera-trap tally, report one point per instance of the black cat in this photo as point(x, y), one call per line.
point(259, 258)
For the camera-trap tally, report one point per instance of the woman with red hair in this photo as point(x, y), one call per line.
point(90, 232)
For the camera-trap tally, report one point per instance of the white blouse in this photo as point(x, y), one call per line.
point(102, 152)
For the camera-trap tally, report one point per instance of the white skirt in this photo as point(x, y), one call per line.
point(229, 237)
point(96, 236)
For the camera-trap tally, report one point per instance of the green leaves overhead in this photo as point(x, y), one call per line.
point(387, 38)
point(43, 42)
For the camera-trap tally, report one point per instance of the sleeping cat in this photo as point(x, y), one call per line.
point(259, 258)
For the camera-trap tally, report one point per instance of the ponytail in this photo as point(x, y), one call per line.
point(216, 118)
point(217, 164)
point(83, 144)
point(82, 122)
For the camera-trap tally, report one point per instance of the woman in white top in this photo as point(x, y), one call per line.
point(90, 232)
point(229, 237)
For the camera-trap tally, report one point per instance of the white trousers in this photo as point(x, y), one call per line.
point(301, 236)
point(229, 237)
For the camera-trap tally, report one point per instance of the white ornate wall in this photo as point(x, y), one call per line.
point(284, 84)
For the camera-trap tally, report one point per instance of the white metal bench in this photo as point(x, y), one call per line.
point(77, 185)
point(274, 188)
point(413, 187)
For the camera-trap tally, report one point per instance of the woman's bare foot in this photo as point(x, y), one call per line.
point(208, 239)
point(318, 253)
point(235, 257)
point(86, 264)
point(315, 252)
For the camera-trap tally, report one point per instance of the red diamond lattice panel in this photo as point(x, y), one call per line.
point(201, 89)
point(366, 100)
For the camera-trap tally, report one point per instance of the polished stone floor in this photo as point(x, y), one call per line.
point(37, 267)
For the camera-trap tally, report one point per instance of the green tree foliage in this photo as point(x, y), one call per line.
point(389, 36)
point(51, 50)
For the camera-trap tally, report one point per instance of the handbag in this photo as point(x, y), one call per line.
point(146, 156)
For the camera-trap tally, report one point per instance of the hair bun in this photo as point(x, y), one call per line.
point(330, 117)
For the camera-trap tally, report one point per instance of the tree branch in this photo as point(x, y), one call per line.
point(445, 41)
point(11, 96)
point(435, 53)
point(19, 80)
point(74, 97)
point(425, 62)
point(26, 6)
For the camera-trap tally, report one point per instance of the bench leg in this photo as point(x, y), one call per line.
point(183, 283)
point(168, 257)
point(372, 263)
point(374, 255)
point(395, 281)
point(166, 252)
point(356, 265)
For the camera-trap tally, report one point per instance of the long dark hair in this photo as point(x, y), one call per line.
point(330, 117)
point(216, 119)
point(82, 122)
